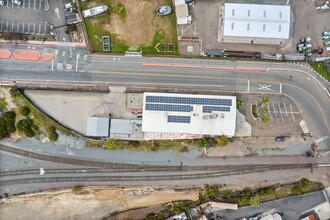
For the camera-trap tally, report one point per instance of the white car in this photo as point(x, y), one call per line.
point(2, 2)
point(17, 2)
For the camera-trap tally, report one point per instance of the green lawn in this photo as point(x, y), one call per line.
point(321, 69)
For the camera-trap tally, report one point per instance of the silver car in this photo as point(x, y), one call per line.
point(17, 2)
point(2, 2)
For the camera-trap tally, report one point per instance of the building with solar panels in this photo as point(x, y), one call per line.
point(189, 114)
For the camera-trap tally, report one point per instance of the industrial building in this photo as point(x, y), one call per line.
point(255, 24)
point(189, 114)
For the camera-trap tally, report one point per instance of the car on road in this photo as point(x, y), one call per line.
point(17, 2)
point(280, 139)
point(2, 2)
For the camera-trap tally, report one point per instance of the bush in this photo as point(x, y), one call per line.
point(254, 111)
point(201, 143)
point(239, 103)
point(244, 198)
point(76, 189)
point(222, 140)
point(264, 119)
point(265, 99)
point(52, 135)
point(263, 110)
point(266, 191)
point(110, 144)
point(24, 111)
point(254, 201)
point(7, 124)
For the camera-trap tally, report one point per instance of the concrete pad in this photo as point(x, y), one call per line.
point(5, 54)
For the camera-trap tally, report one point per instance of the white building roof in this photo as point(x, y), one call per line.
point(121, 126)
point(189, 114)
point(181, 12)
point(256, 20)
point(97, 126)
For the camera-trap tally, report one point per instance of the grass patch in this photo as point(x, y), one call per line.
point(320, 69)
point(121, 11)
point(40, 119)
point(76, 189)
point(3, 103)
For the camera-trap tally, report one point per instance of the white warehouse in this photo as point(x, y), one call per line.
point(189, 114)
point(255, 24)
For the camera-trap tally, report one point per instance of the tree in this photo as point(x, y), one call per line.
point(201, 143)
point(264, 119)
point(239, 103)
point(24, 111)
point(26, 127)
point(222, 140)
point(265, 99)
point(263, 110)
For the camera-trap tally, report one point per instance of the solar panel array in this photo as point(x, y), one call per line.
point(210, 109)
point(191, 101)
point(170, 108)
point(178, 119)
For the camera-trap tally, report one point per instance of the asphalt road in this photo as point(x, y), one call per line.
point(197, 74)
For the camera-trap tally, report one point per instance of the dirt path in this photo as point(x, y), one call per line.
point(5, 93)
point(90, 203)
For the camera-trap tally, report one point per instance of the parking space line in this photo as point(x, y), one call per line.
point(28, 28)
point(34, 28)
point(39, 4)
point(279, 106)
point(52, 64)
point(270, 114)
point(7, 26)
point(17, 29)
point(7, 4)
point(275, 112)
point(39, 28)
point(29, 4)
point(292, 113)
point(1, 26)
point(23, 3)
point(34, 6)
point(12, 26)
point(45, 27)
point(23, 27)
point(286, 111)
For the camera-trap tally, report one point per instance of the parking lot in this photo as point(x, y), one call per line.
point(32, 16)
point(306, 21)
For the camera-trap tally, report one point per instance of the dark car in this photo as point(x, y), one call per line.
point(280, 139)
point(318, 51)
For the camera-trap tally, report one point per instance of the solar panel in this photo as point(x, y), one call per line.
point(191, 101)
point(209, 109)
point(171, 108)
point(178, 119)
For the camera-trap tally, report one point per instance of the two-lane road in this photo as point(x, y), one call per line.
point(296, 81)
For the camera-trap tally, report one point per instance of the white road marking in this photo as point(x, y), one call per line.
point(7, 26)
point(7, 3)
point(292, 113)
point(45, 27)
point(23, 27)
point(34, 28)
point(12, 26)
point(29, 4)
point(1, 25)
point(280, 88)
point(52, 64)
point(269, 112)
point(39, 4)
point(57, 12)
point(35, 2)
point(248, 88)
point(286, 111)
point(23, 3)
point(279, 106)
point(39, 28)
point(275, 111)
point(28, 28)
point(264, 87)
point(77, 62)
point(17, 26)
point(322, 139)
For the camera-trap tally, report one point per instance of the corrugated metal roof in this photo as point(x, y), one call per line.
point(256, 20)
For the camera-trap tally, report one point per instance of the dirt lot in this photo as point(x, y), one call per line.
point(89, 203)
point(283, 114)
point(306, 22)
point(135, 27)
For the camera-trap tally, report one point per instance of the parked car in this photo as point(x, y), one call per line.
point(17, 2)
point(326, 33)
point(68, 5)
point(280, 139)
point(325, 37)
point(318, 51)
point(2, 2)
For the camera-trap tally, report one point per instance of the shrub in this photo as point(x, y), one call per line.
point(212, 191)
point(265, 99)
point(254, 111)
point(254, 201)
point(222, 140)
point(263, 110)
point(239, 103)
point(25, 127)
point(76, 189)
point(264, 119)
point(7, 124)
point(296, 190)
point(52, 135)
point(266, 191)
point(244, 198)
point(24, 111)
point(201, 143)
point(110, 144)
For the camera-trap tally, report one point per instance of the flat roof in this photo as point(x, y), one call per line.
point(121, 126)
point(257, 20)
point(97, 126)
point(189, 114)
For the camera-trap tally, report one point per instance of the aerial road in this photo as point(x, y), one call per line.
point(297, 81)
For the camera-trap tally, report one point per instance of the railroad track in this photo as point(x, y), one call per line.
point(122, 178)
